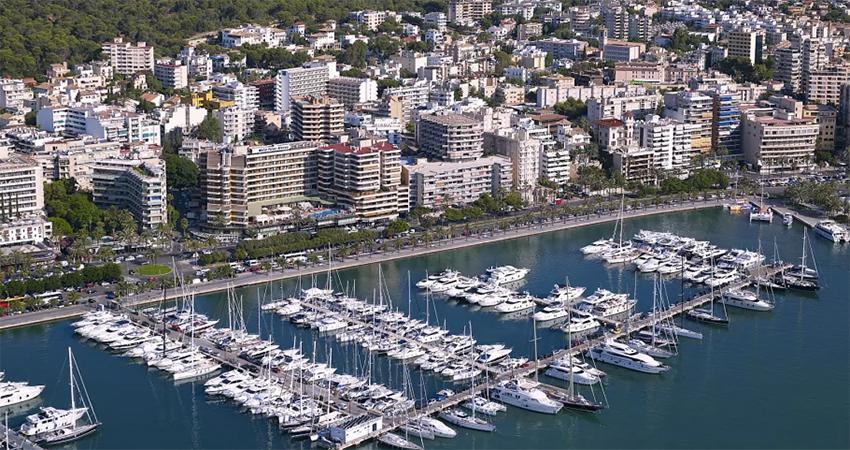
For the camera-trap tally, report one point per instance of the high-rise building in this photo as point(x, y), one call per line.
point(725, 122)
point(21, 187)
point(824, 85)
point(400, 102)
point(826, 118)
point(235, 123)
point(694, 108)
point(301, 81)
point(668, 140)
point(351, 90)
point(243, 96)
point(135, 185)
point(317, 118)
point(616, 21)
point(365, 179)
point(127, 58)
point(466, 11)
point(747, 44)
point(450, 137)
point(240, 183)
point(171, 73)
point(789, 68)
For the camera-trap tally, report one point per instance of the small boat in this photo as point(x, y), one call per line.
point(707, 316)
point(788, 219)
point(396, 441)
point(460, 418)
point(679, 331)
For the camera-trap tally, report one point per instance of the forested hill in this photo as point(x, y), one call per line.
point(37, 33)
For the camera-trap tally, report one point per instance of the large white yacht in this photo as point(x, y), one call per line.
point(515, 304)
point(619, 354)
point(49, 419)
point(741, 298)
point(550, 313)
point(563, 370)
point(564, 294)
point(506, 274)
point(580, 323)
point(523, 393)
point(12, 393)
point(832, 231)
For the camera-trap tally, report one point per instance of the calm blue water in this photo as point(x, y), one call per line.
point(778, 379)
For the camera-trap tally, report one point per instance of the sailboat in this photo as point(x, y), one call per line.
point(53, 426)
point(572, 399)
point(651, 341)
point(803, 278)
point(764, 214)
point(707, 315)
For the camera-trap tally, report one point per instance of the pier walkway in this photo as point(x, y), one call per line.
point(533, 367)
point(13, 440)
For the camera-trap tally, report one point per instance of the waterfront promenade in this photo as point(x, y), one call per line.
point(454, 243)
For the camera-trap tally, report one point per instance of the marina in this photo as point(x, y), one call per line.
point(616, 329)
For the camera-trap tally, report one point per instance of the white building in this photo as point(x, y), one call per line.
point(350, 90)
point(302, 81)
point(21, 186)
point(244, 96)
point(13, 94)
point(438, 184)
point(171, 73)
point(127, 58)
point(135, 185)
point(235, 123)
point(32, 229)
point(101, 122)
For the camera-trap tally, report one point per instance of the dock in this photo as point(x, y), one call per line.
point(536, 366)
point(613, 330)
point(11, 439)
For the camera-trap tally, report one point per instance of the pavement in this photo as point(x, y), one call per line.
point(252, 278)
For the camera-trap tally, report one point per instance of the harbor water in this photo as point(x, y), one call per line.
point(777, 379)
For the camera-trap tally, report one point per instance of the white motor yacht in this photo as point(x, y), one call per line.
point(597, 247)
point(505, 274)
point(49, 419)
point(12, 393)
point(622, 355)
point(460, 418)
point(580, 323)
point(832, 231)
point(524, 393)
point(741, 298)
point(563, 370)
point(550, 313)
point(481, 405)
point(516, 304)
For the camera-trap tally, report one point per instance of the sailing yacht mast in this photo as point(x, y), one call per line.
point(71, 377)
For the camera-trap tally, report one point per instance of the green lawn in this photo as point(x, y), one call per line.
point(153, 270)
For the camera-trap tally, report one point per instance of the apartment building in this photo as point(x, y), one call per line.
point(638, 103)
point(241, 183)
point(635, 164)
point(826, 117)
point(127, 58)
point(747, 44)
point(100, 122)
point(244, 96)
point(776, 141)
point(561, 48)
point(639, 72)
point(364, 178)
point(824, 85)
point(301, 81)
point(31, 229)
point(555, 165)
point(235, 123)
point(171, 73)
point(726, 121)
point(436, 184)
point(668, 140)
point(450, 137)
point(437, 20)
point(350, 90)
point(524, 153)
point(371, 19)
point(14, 94)
point(467, 11)
point(613, 50)
point(21, 186)
point(400, 102)
point(137, 185)
point(693, 108)
point(788, 68)
point(317, 118)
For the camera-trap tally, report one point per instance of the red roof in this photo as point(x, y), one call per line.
point(609, 123)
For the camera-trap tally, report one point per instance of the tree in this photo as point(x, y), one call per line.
point(354, 55)
point(61, 227)
point(514, 200)
point(572, 108)
point(209, 129)
point(397, 227)
point(30, 119)
point(383, 46)
point(145, 106)
point(181, 172)
point(458, 94)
